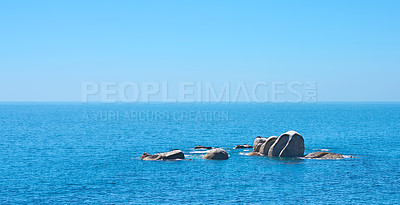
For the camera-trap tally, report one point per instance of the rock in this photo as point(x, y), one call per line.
point(253, 154)
point(324, 155)
point(202, 147)
point(267, 144)
point(216, 154)
point(172, 155)
point(243, 146)
point(258, 142)
point(289, 144)
point(147, 156)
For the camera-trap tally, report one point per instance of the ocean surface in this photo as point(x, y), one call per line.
point(89, 153)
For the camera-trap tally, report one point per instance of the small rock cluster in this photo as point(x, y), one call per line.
point(289, 144)
point(212, 153)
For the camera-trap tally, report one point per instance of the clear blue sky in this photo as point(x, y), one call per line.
point(351, 48)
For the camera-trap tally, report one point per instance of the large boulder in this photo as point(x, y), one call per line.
point(289, 144)
point(216, 154)
point(258, 142)
point(323, 155)
point(267, 144)
point(172, 155)
point(244, 146)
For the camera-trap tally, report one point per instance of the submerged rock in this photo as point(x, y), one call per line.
point(289, 144)
point(267, 145)
point(202, 147)
point(216, 154)
point(172, 155)
point(324, 155)
point(243, 146)
point(258, 142)
point(253, 154)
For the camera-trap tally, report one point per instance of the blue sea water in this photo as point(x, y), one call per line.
point(89, 153)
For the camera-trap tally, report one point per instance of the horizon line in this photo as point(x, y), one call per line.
point(197, 102)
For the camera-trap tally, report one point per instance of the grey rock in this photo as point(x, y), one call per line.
point(172, 155)
point(243, 146)
point(202, 147)
point(258, 142)
point(324, 155)
point(216, 154)
point(267, 145)
point(253, 154)
point(289, 144)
